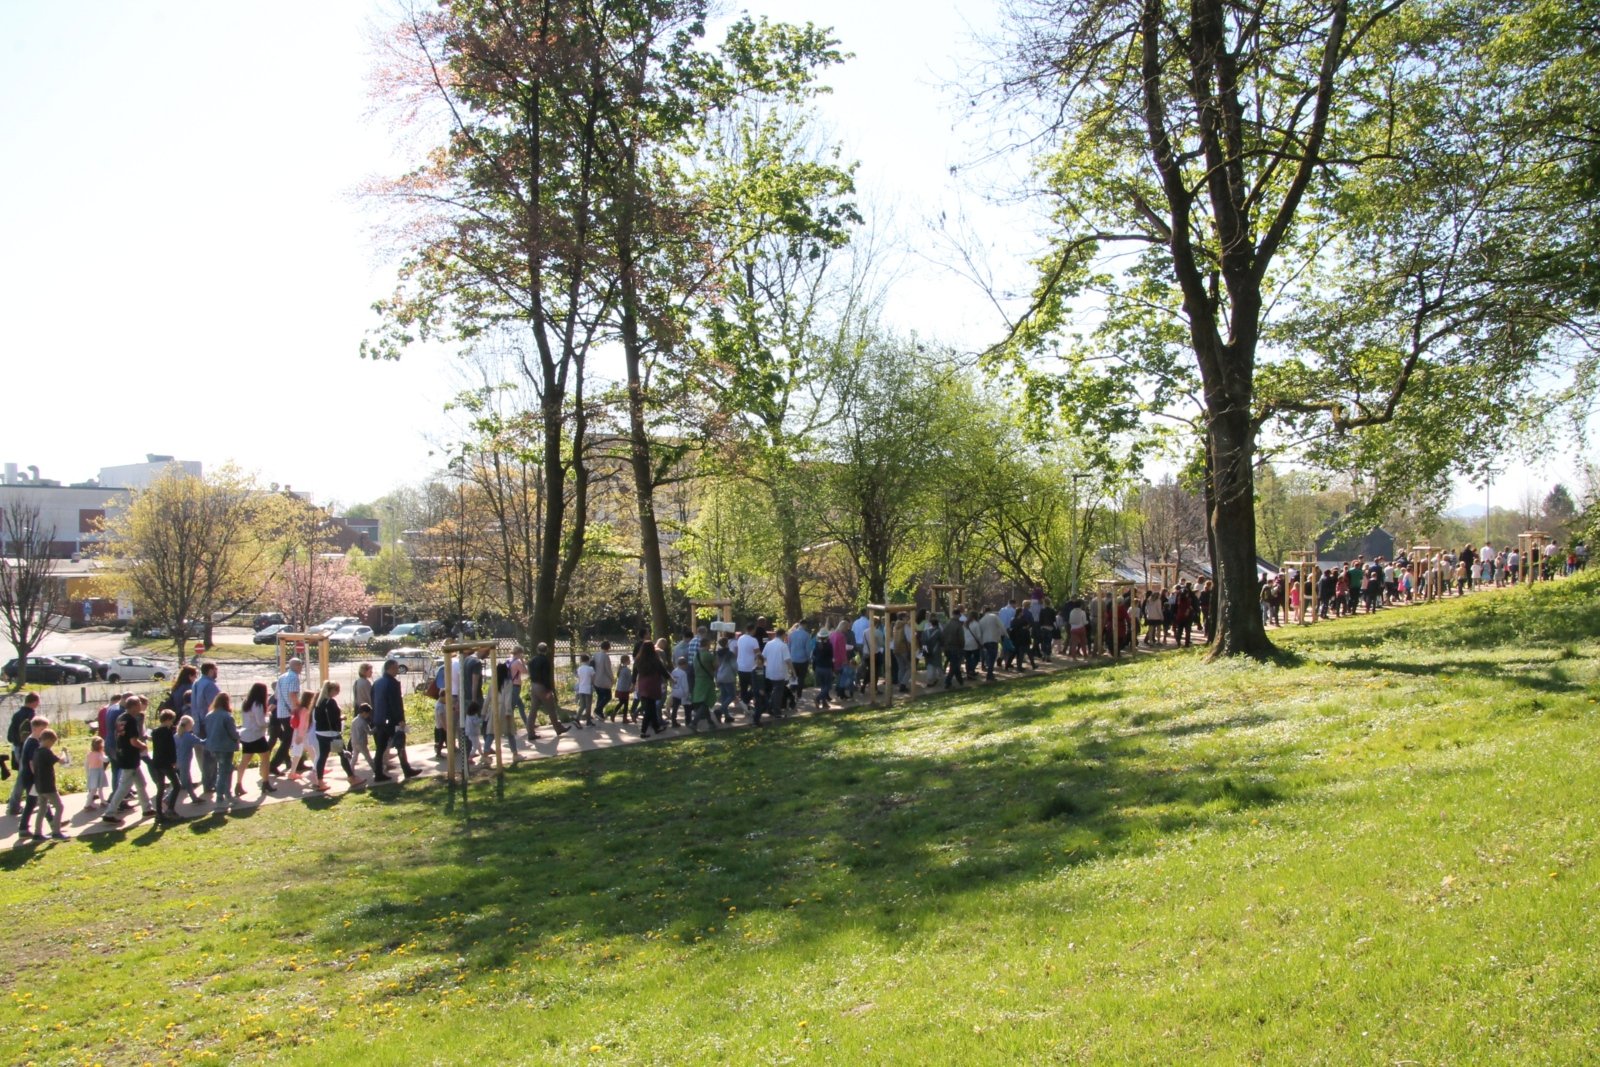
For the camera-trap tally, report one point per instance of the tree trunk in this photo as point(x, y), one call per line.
point(788, 553)
point(644, 482)
point(542, 625)
point(1231, 441)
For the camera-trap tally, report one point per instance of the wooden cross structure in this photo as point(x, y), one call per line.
point(453, 709)
point(1113, 587)
point(1168, 572)
point(724, 609)
point(887, 613)
point(1423, 572)
point(1304, 566)
point(292, 645)
point(946, 596)
point(1530, 550)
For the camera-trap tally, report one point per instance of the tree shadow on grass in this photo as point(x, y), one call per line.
point(1546, 677)
point(824, 816)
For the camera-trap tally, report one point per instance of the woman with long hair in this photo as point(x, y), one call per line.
point(649, 675)
point(253, 739)
point(327, 723)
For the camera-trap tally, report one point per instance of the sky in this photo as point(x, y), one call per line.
point(186, 266)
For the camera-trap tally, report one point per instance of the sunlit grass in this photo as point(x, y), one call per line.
point(1378, 849)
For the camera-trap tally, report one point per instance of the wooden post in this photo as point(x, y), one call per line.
point(887, 612)
point(285, 654)
point(950, 594)
point(1302, 564)
point(494, 702)
point(724, 608)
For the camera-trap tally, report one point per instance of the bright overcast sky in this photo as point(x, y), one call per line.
point(186, 268)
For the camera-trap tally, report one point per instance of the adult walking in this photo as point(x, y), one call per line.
point(954, 638)
point(703, 689)
point(649, 678)
point(361, 690)
point(203, 692)
point(542, 688)
point(775, 667)
point(287, 691)
point(222, 741)
point(990, 633)
point(253, 739)
point(389, 722)
point(605, 680)
point(327, 724)
point(801, 648)
point(129, 751)
point(16, 734)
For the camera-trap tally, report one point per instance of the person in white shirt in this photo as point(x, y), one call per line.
point(859, 629)
point(775, 660)
point(744, 662)
point(585, 674)
point(990, 633)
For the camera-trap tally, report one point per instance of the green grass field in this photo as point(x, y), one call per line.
point(1378, 850)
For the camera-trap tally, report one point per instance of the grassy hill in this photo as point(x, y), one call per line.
point(1378, 850)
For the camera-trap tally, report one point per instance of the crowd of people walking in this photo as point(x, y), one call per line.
point(202, 750)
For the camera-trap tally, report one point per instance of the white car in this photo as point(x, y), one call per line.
point(135, 669)
point(412, 660)
point(354, 634)
point(335, 624)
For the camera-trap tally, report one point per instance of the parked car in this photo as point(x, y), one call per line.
point(98, 666)
point(417, 631)
point(266, 619)
point(268, 635)
point(355, 634)
point(338, 622)
point(191, 628)
point(135, 669)
point(413, 660)
point(47, 670)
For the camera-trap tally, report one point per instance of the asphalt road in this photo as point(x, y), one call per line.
point(234, 677)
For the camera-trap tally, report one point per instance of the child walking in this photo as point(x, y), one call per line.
point(680, 687)
point(187, 741)
point(624, 688)
point(585, 675)
point(45, 762)
point(94, 766)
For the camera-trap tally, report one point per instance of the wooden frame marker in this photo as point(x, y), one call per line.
point(888, 612)
point(946, 595)
point(1529, 544)
point(453, 710)
point(1116, 587)
point(284, 654)
point(724, 608)
point(1306, 571)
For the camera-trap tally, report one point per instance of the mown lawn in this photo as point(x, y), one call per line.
point(1379, 850)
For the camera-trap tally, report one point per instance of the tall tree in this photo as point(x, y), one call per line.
point(503, 222)
point(1191, 131)
point(27, 585)
point(1323, 224)
point(767, 350)
point(672, 235)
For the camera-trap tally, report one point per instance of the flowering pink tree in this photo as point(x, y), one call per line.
point(311, 586)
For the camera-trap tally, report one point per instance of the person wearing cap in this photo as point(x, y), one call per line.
point(287, 692)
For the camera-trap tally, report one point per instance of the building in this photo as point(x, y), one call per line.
point(140, 475)
point(74, 512)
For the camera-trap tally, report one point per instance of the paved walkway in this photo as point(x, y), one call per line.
point(79, 821)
